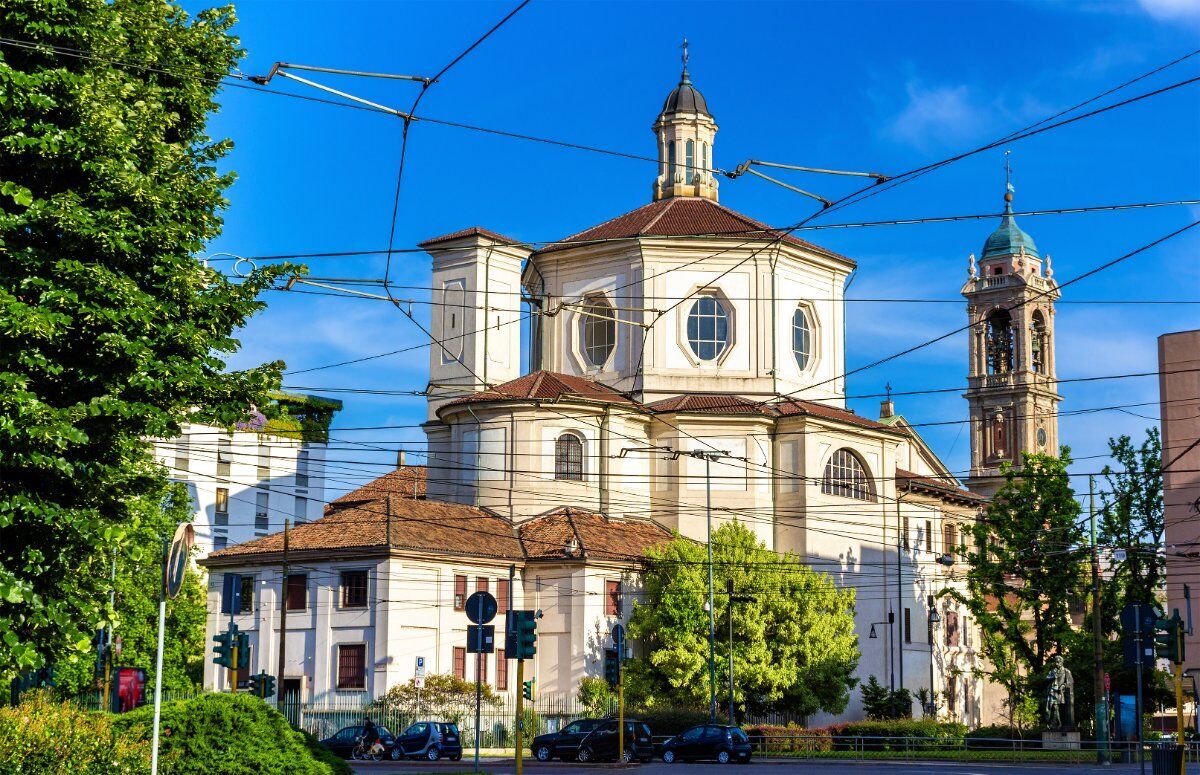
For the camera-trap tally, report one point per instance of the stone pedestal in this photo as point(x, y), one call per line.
point(1060, 741)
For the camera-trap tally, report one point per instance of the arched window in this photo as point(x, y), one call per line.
point(598, 330)
point(801, 337)
point(846, 476)
point(708, 327)
point(568, 458)
point(999, 342)
point(690, 161)
point(1038, 342)
point(671, 162)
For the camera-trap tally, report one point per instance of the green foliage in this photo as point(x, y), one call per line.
point(44, 737)
point(794, 645)
point(444, 696)
point(669, 721)
point(597, 696)
point(935, 734)
point(111, 332)
point(880, 702)
point(1131, 516)
point(1023, 570)
point(996, 735)
point(234, 734)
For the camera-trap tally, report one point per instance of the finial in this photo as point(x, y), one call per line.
point(971, 271)
point(1049, 269)
point(685, 54)
point(1008, 186)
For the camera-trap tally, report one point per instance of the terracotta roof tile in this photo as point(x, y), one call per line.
point(404, 482)
point(733, 404)
point(546, 385)
point(683, 217)
point(596, 536)
point(943, 486)
point(472, 231)
point(451, 528)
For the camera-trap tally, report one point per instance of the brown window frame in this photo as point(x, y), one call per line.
point(356, 680)
point(354, 596)
point(297, 585)
point(460, 593)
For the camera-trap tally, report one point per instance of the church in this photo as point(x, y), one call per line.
point(686, 360)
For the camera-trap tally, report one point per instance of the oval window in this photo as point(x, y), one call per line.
point(599, 331)
point(802, 338)
point(708, 327)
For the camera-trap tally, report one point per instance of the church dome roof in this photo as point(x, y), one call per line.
point(1008, 239)
point(685, 98)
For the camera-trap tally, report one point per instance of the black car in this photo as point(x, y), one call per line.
point(344, 740)
point(708, 741)
point(563, 744)
point(429, 740)
point(601, 743)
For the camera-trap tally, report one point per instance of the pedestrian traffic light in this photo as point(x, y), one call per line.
point(529, 689)
point(262, 685)
point(612, 668)
point(525, 632)
point(223, 649)
point(1168, 638)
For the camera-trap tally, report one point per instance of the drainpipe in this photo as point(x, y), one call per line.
point(602, 478)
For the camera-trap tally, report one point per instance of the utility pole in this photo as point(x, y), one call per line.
point(1097, 636)
point(712, 625)
point(283, 584)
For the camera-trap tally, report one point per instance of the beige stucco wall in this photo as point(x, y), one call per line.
point(1179, 394)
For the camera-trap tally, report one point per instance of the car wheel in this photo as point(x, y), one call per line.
point(585, 754)
point(396, 753)
point(669, 757)
point(543, 753)
point(628, 756)
point(433, 754)
point(723, 757)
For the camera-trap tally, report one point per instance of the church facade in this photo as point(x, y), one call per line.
point(685, 360)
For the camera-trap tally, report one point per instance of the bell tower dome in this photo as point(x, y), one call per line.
point(685, 131)
point(1012, 390)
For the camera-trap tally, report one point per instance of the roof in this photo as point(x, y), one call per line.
point(684, 217)
point(471, 231)
point(1008, 239)
point(732, 404)
point(685, 98)
point(404, 482)
point(939, 487)
point(546, 386)
point(365, 523)
point(572, 532)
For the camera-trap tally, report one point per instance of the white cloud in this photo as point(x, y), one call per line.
point(935, 115)
point(1171, 9)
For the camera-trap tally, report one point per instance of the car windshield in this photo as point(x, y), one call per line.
point(415, 729)
point(383, 731)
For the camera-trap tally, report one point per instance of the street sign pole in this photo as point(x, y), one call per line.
point(619, 644)
point(176, 556)
point(520, 713)
point(478, 682)
point(1141, 651)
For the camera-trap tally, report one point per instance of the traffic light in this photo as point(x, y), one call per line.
point(224, 649)
point(525, 633)
point(529, 689)
point(262, 685)
point(612, 668)
point(1168, 638)
point(243, 647)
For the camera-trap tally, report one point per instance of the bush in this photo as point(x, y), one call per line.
point(768, 738)
point(929, 735)
point(235, 734)
point(669, 721)
point(997, 735)
point(44, 737)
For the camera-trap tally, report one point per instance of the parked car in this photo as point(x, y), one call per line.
point(563, 744)
point(601, 743)
point(430, 740)
point(343, 741)
point(708, 741)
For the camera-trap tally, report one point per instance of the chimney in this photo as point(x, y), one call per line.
point(400, 459)
point(887, 408)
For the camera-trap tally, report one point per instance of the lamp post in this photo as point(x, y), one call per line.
point(933, 619)
point(891, 619)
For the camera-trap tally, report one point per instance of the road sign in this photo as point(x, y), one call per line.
point(177, 559)
point(618, 636)
point(481, 607)
point(419, 677)
point(481, 639)
point(1138, 619)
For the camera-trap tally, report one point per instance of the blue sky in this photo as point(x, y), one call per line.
point(879, 86)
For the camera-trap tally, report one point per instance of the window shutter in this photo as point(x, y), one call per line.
point(481, 584)
point(501, 670)
point(460, 592)
point(460, 662)
point(501, 596)
point(612, 598)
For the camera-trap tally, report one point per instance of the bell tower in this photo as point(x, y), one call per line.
point(1012, 391)
point(685, 131)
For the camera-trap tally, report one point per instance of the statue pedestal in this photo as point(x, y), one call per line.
point(1060, 741)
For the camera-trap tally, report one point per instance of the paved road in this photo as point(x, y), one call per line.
point(496, 766)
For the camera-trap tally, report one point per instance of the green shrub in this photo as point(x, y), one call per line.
point(669, 721)
point(44, 737)
point(926, 733)
point(997, 736)
point(234, 734)
point(768, 738)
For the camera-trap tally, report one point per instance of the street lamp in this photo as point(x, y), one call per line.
point(933, 619)
point(891, 619)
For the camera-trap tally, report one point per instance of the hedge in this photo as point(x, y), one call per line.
point(234, 734)
point(44, 737)
point(1000, 736)
point(669, 721)
point(918, 735)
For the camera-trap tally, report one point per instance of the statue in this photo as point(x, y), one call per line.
point(1060, 697)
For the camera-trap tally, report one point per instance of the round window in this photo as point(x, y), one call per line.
point(1041, 437)
point(708, 327)
point(801, 338)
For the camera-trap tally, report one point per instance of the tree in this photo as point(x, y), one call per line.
point(1131, 516)
point(443, 696)
point(880, 702)
point(111, 332)
point(794, 644)
point(596, 695)
point(1023, 570)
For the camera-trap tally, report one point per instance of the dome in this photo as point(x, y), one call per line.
point(1008, 239)
point(685, 98)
